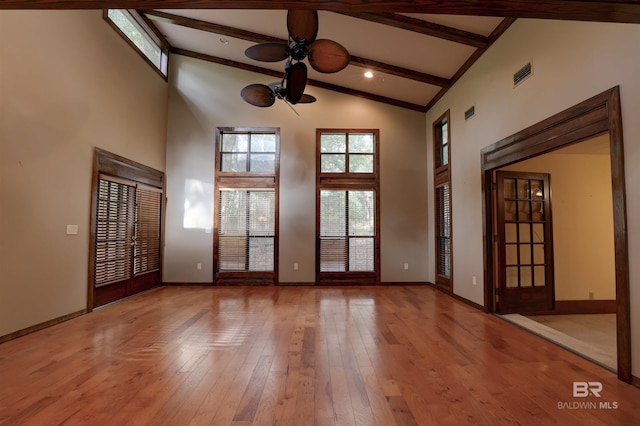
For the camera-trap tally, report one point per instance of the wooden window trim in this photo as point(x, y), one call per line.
point(442, 177)
point(246, 180)
point(349, 181)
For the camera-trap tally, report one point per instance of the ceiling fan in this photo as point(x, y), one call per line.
point(325, 56)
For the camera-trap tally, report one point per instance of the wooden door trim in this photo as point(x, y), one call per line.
point(118, 167)
point(599, 114)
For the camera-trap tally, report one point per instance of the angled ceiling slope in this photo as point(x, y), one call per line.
point(416, 49)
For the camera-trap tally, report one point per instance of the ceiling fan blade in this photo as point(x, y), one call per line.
point(268, 52)
point(307, 99)
point(259, 95)
point(328, 56)
point(296, 81)
point(303, 25)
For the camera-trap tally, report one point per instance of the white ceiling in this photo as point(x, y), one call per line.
point(362, 38)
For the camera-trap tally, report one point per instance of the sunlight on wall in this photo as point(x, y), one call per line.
point(198, 205)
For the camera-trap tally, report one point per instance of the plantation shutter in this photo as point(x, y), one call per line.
point(114, 232)
point(443, 206)
point(147, 230)
point(246, 230)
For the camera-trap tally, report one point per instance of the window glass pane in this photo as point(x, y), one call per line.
point(525, 254)
point(234, 163)
point(538, 254)
point(538, 233)
point(537, 189)
point(265, 163)
point(130, 27)
point(510, 233)
point(525, 233)
point(333, 142)
point(359, 163)
point(235, 142)
point(539, 278)
point(512, 276)
point(361, 213)
point(333, 207)
point(526, 280)
point(524, 210)
point(262, 213)
point(445, 133)
point(263, 142)
point(261, 254)
point(232, 253)
point(523, 189)
point(361, 254)
point(511, 253)
point(509, 188)
point(332, 163)
point(361, 143)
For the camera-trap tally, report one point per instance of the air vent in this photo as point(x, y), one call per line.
point(522, 74)
point(470, 112)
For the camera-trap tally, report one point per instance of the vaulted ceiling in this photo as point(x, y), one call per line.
point(416, 49)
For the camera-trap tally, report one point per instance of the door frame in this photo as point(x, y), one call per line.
point(599, 114)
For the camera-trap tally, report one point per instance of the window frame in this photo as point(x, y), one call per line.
point(442, 178)
point(151, 32)
point(245, 181)
point(349, 181)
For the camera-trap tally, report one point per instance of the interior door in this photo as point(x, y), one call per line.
point(524, 243)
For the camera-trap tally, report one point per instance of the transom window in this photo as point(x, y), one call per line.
point(347, 152)
point(248, 152)
point(142, 37)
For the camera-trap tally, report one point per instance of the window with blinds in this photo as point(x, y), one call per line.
point(443, 208)
point(246, 211)
point(347, 230)
point(127, 231)
point(246, 230)
point(442, 205)
point(348, 206)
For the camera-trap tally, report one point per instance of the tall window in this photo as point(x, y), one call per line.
point(142, 36)
point(246, 218)
point(442, 191)
point(347, 180)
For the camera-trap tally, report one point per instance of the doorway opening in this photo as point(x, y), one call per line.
point(596, 116)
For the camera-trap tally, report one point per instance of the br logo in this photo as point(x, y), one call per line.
point(584, 389)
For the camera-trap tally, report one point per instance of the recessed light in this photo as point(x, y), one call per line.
point(223, 40)
point(368, 74)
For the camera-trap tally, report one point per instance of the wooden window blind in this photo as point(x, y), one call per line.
point(114, 232)
point(147, 230)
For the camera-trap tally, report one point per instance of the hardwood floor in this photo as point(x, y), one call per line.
point(299, 356)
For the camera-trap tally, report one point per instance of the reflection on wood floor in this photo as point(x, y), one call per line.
point(404, 355)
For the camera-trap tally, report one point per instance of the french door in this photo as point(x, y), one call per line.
point(126, 229)
point(525, 243)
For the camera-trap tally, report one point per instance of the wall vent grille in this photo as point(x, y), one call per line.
point(522, 74)
point(470, 112)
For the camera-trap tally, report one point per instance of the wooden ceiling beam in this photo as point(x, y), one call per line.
point(310, 82)
point(423, 27)
point(260, 38)
point(580, 10)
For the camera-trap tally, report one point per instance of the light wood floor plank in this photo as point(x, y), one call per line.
point(294, 356)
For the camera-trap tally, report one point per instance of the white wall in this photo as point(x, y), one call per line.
point(572, 61)
point(68, 83)
point(205, 96)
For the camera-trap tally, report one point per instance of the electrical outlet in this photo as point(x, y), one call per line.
point(590, 295)
point(295, 266)
point(473, 280)
point(199, 266)
point(406, 266)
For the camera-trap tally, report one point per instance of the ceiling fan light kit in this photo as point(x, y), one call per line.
point(325, 56)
